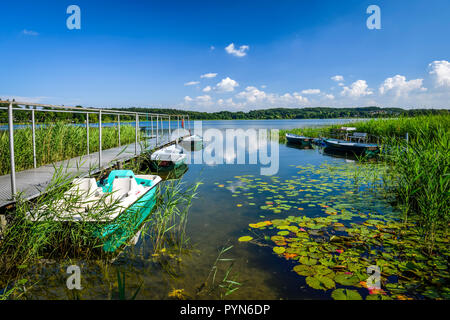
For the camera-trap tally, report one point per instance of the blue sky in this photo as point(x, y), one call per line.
point(255, 54)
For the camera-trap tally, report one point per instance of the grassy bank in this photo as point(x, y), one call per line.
point(58, 142)
point(27, 247)
point(421, 126)
point(419, 174)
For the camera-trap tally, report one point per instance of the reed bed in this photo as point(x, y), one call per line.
point(58, 142)
point(25, 244)
point(421, 126)
point(419, 167)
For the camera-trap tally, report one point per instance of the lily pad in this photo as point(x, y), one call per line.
point(320, 282)
point(279, 250)
point(245, 239)
point(345, 294)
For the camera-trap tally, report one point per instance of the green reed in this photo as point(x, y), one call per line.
point(422, 126)
point(418, 169)
point(56, 142)
point(32, 234)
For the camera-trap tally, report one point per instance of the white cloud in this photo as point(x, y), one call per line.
point(252, 94)
point(207, 89)
point(357, 89)
point(205, 98)
point(337, 78)
point(187, 99)
point(311, 91)
point(208, 75)
point(226, 85)
point(299, 98)
point(400, 87)
point(329, 96)
point(441, 72)
point(30, 33)
point(191, 83)
point(241, 52)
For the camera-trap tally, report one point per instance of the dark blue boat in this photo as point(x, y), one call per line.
point(299, 140)
point(358, 149)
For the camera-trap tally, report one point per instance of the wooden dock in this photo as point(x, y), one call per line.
point(31, 183)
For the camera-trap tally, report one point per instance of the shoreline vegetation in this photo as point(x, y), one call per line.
point(419, 168)
point(417, 176)
point(24, 117)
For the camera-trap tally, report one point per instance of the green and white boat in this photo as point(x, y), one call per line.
point(115, 207)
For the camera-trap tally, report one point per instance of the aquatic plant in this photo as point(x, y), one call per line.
point(227, 285)
point(357, 229)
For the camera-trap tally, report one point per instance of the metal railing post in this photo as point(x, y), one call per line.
point(136, 132)
point(157, 124)
point(118, 126)
point(11, 150)
point(87, 132)
point(151, 120)
point(169, 129)
point(33, 129)
point(100, 139)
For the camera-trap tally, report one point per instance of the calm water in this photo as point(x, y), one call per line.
point(222, 124)
point(218, 217)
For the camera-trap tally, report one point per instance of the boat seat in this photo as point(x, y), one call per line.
point(359, 136)
point(123, 186)
point(85, 187)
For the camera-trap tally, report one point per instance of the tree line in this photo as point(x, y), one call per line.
point(261, 114)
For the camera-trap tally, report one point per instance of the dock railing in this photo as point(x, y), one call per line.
point(33, 108)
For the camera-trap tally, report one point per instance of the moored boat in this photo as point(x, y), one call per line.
point(114, 208)
point(171, 156)
point(358, 149)
point(299, 140)
point(194, 142)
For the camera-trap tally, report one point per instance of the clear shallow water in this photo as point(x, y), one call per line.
point(218, 217)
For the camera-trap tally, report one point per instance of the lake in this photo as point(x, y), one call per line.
point(231, 197)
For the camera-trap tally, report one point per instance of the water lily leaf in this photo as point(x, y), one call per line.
point(345, 294)
point(320, 282)
point(346, 279)
point(308, 261)
point(245, 239)
point(304, 270)
point(279, 250)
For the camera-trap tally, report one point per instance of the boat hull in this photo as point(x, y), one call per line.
point(116, 233)
point(298, 140)
point(358, 149)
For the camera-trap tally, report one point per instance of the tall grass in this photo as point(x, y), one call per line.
point(421, 126)
point(419, 168)
point(58, 142)
point(23, 243)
